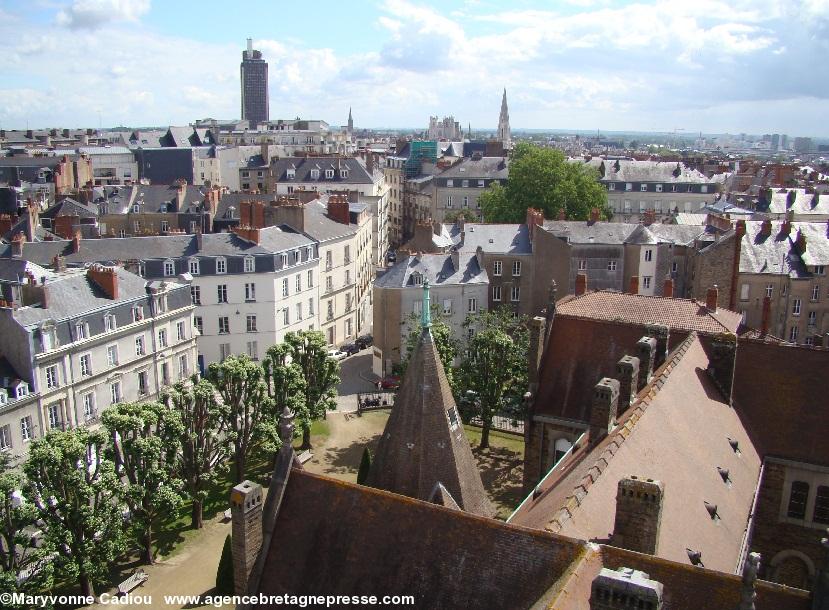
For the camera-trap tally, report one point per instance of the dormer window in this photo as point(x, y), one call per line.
point(291, 174)
point(109, 322)
point(136, 209)
point(22, 390)
point(329, 173)
point(221, 265)
point(81, 331)
point(169, 268)
point(137, 313)
point(284, 260)
point(417, 279)
point(343, 173)
point(160, 304)
point(249, 264)
point(315, 174)
point(193, 266)
point(3, 396)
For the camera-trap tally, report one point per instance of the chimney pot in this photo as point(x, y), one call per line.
point(581, 283)
point(627, 370)
point(638, 514)
point(765, 229)
point(711, 297)
point(595, 215)
point(605, 405)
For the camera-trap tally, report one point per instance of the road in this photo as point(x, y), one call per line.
point(355, 376)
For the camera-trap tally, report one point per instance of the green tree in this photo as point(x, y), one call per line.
point(309, 351)
point(284, 379)
point(144, 438)
point(492, 377)
point(454, 215)
point(542, 178)
point(365, 466)
point(445, 342)
point(75, 491)
point(249, 417)
point(224, 575)
point(17, 550)
point(203, 449)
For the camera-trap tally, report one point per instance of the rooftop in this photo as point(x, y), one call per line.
point(485, 167)
point(437, 268)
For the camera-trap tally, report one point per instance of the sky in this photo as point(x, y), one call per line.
point(717, 66)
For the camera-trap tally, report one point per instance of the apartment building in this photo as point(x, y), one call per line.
point(77, 341)
point(395, 179)
point(459, 186)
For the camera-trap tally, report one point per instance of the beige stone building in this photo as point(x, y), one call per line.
point(459, 186)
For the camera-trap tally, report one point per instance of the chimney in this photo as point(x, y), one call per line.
point(6, 224)
point(338, 211)
point(263, 152)
point(76, 242)
point(105, 278)
point(646, 347)
point(64, 226)
point(244, 213)
point(370, 164)
point(634, 284)
point(59, 263)
point(17, 244)
point(595, 215)
point(257, 214)
point(581, 283)
point(250, 234)
point(562, 215)
point(722, 352)
point(34, 219)
point(181, 191)
point(711, 297)
point(638, 514)
point(764, 325)
point(535, 352)
point(659, 333)
point(649, 217)
point(627, 370)
point(786, 227)
point(668, 288)
point(800, 242)
point(625, 589)
point(739, 233)
point(534, 218)
point(246, 531)
point(199, 240)
point(765, 228)
point(603, 413)
point(748, 594)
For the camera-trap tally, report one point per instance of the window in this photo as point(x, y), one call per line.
point(465, 183)
point(496, 293)
point(472, 305)
point(657, 205)
point(328, 261)
point(161, 304)
point(221, 265)
point(643, 187)
point(310, 307)
point(169, 268)
point(796, 307)
point(797, 500)
point(165, 373)
point(52, 376)
point(283, 260)
point(449, 201)
point(5, 437)
point(253, 350)
point(769, 290)
point(628, 186)
point(88, 406)
point(299, 311)
point(249, 264)
point(611, 265)
point(195, 294)
point(347, 277)
point(497, 268)
point(181, 333)
point(674, 267)
point(310, 279)
point(224, 325)
point(298, 282)
point(109, 323)
point(642, 207)
point(26, 428)
point(165, 226)
point(347, 255)
point(222, 293)
point(515, 293)
point(142, 383)
point(821, 513)
point(348, 302)
point(136, 227)
point(286, 316)
point(193, 266)
point(112, 355)
point(54, 415)
point(140, 348)
point(115, 392)
point(251, 324)
point(793, 334)
point(516, 268)
point(611, 186)
point(224, 351)
point(627, 206)
point(648, 255)
point(820, 269)
point(812, 318)
point(658, 188)
point(329, 173)
point(285, 286)
point(162, 338)
point(330, 312)
point(646, 281)
point(122, 233)
point(450, 183)
point(250, 292)
point(447, 306)
point(86, 365)
point(470, 334)
point(466, 202)
point(417, 307)
point(582, 264)
point(182, 366)
point(199, 324)
point(82, 330)
point(815, 292)
point(744, 292)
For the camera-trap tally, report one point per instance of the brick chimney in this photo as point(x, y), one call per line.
point(786, 227)
point(64, 226)
point(633, 288)
point(625, 589)
point(562, 215)
point(246, 531)
point(581, 283)
point(181, 192)
point(764, 324)
point(765, 228)
point(59, 263)
point(603, 413)
point(659, 333)
point(535, 218)
point(251, 234)
point(668, 288)
point(711, 297)
point(739, 233)
point(638, 514)
point(199, 240)
point(595, 215)
point(76, 242)
point(17, 244)
point(800, 242)
point(627, 370)
point(105, 278)
point(646, 348)
point(6, 224)
point(649, 217)
point(338, 210)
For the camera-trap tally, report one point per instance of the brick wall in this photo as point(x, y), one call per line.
point(712, 266)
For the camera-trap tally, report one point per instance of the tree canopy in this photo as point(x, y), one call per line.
point(543, 179)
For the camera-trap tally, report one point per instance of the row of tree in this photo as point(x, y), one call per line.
point(94, 494)
point(488, 371)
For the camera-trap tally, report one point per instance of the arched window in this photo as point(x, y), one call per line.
point(797, 500)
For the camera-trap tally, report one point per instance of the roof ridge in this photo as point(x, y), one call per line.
point(615, 439)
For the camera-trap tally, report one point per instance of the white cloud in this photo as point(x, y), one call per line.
point(92, 14)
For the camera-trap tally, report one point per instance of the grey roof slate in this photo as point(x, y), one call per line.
point(357, 173)
point(70, 207)
point(12, 269)
point(437, 268)
point(630, 170)
point(320, 227)
point(804, 203)
point(582, 232)
point(676, 234)
point(485, 167)
point(772, 254)
point(492, 238)
point(817, 242)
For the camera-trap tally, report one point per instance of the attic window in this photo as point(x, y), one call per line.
point(712, 511)
point(291, 174)
point(136, 208)
point(315, 174)
point(725, 475)
point(452, 415)
point(329, 173)
point(735, 445)
point(695, 557)
point(343, 173)
point(417, 279)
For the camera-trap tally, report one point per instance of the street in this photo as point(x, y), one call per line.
point(355, 373)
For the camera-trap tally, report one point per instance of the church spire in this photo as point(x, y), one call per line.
point(350, 121)
point(426, 310)
point(504, 134)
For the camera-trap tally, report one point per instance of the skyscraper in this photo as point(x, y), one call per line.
point(503, 124)
point(254, 75)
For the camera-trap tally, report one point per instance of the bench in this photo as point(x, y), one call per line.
point(138, 578)
point(305, 456)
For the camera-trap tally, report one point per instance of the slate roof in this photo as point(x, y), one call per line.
point(320, 227)
point(272, 239)
point(424, 442)
point(651, 171)
point(437, 268)
point(659, 438)
point(357, 173)
point(50, 161)
point(772, 254)
point(235, 199)
point(582, 232)
point(681, 314)
point(485, 167)
point(817, 242)
point(12, 269)
point(70, 207)
point(72, 292)
point(804, 203)
point(494, 238)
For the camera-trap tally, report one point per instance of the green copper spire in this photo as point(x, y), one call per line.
point(426, 310)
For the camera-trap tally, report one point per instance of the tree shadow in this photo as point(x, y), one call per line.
point(502, 472)
point(346, 460)
point(201, 604)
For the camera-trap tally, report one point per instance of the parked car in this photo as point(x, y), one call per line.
point(391, 382)
point(350, 348)
point(364, 341)
point(336, 354)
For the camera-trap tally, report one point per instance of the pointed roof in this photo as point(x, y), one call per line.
point(424, 443)
point(440, 495)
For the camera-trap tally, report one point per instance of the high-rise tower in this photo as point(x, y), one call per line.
point(254, 75)
point(503, 124)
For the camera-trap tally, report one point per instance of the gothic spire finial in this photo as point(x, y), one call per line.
point(426, 310)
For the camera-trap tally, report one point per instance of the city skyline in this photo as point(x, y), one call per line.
point(648, 67)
